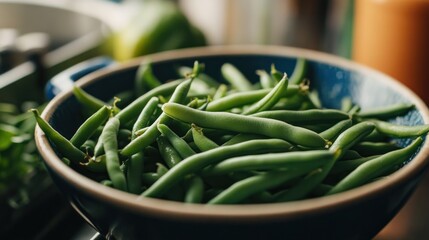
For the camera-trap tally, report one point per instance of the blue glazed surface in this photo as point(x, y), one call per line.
point(359, 220)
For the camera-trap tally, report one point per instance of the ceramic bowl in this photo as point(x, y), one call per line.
point(355, 214)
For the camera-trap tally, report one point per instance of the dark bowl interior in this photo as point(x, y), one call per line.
point(356, 214)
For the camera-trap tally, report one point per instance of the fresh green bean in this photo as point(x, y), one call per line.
point(305, 117)
point(242, 137)
point(178, 143)
point(134, 108)
point(332, 133)
point(170, 156)
point(269, 100)
point(400, 131)
point(245, 124)
point(199, 161)
point(145, 79)
point(64, 146)
point(144, 116)
point(220, 92)
point(347, 166)
point(149, 178)
point(96, 164)
point(185, 71)
point(89, 102)
point(386, 112)
point(243, 189)
point(149, 136)
point(265, 79)
point(376, 167)
point(374, 148)
point(346, 104)
point(88, 147)
point(237, 80)
point(287, 160)
point(110, 145)
point(202, 142)
point(351, 136)
point(240, 99)
point(134, 173)
point(276, 74)
point(299, 71)
point(195, 191)
point(87, 129)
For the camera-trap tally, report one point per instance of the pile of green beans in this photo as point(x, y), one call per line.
point(199, 140)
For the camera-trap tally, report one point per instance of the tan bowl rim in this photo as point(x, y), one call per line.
point(257, 212)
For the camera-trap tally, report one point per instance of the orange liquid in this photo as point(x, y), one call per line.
point(393, 37)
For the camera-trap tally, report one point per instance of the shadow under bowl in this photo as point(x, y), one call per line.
point(356, 214)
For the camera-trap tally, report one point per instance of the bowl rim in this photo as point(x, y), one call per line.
point(250, 212)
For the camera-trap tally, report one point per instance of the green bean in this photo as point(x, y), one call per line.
point(298, 71)
point(107, 183)
point(161, 170)
point(220, 92)
point(355, 109)
point(245, 124)
point(304, 117)
point(275, 74)
point(199, 161)
point(347, 166)
point(99, 149)
point(145, 79)
point(195, 191)
point(374, 148)
point(344, 141)
point(240, 99)
point(242, 137)
point(243, 189)
point(64, 146)
point(134, 173)
point(149, 136)
point(149, 178)
point(333, 132)
point(351, 136)
point(169, 154)
point(290, 160)
point(376, 167)
point(292, 103)
point(237, 80)
point(202, 142)
point(400, 131)
point(178, 143)
point(144, 116)
point(184, 71)
point(126, 98)
point(269, 100)
point(265, 79)
point(304, 186)
point(96, 164)
point(346, 104)
point(88, 147)
point(314, 100)
point(386, 112)
point(87, 129)
point(91, 103)
point(110, 145)
point(350, 154)
point(134, 108)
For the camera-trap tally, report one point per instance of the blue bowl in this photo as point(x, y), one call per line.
point(356, 214)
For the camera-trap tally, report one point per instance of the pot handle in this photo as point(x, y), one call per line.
point(64, 80)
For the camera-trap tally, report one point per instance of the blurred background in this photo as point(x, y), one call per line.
point(44, 43)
